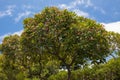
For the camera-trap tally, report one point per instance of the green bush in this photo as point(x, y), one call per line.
point(62, 75)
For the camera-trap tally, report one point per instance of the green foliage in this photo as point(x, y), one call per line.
point(10, 51)
point(114, 41)
point(2, 74)
point(62, 75)
point(108, 71)
point(20, 76)
point(0, 47)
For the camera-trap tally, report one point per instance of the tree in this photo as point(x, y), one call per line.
point(2, 73)
point(15, 64)
point(10, 50)
point(69, 38)
point(114, 43)
point(113, 68)
point(0, 47)
point(108, 71)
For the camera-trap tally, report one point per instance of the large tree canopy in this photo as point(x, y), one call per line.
point(69, 38)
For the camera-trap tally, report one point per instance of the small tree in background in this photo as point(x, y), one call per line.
point(11, 52)
point(114, 41)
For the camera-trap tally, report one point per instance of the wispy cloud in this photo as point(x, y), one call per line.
point(99, 9)
point(64, 6)
point(81, 13)
point(27, 7)
point(86, 3)
point(23, 15)
point(18, 32)
point(75, 3)
point(3, 36)
point(8, 11)
point(114, 26)
point(72, 6)
point(116, 13)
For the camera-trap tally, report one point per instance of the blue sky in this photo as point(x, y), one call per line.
point(13, 12)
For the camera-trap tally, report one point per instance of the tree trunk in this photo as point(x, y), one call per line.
point(69, 73)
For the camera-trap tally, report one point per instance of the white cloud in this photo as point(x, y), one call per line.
point(114, 26)
point(18, 32)
point(27, 7)
point(72, 6)
point(22, 15)
point(89, 3)
point(75, 3)
point(64, 6)
point(86, 3)
point(3, 36)
point(8, 11)
point(81, 13)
